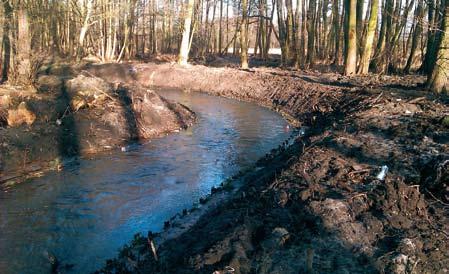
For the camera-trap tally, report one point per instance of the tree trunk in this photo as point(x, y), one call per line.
point(336, 30)
point(290, 39)
point(184, 49)
point(22, 73)
point(244, 36)
point(84, 29)
point(311, 33)
point(283, 36)
point(368, 46)
point(359, 22)
point(437, 81)
point(429, 57)
point(299, 57)
point(6, 41)
point(220, 31)
point(378, 62)
point(351, 41)
point(416, 36)
point(324, 40)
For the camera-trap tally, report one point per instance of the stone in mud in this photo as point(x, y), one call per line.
point(21, 115)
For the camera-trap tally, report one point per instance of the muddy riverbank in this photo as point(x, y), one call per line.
point(322, 205)
point(72, 113)
point(80, 216)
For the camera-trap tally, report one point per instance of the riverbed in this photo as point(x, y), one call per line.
point(85, 213)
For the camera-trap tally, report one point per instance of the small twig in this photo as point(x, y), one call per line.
point(109, 96)
point(438, 200)
point(377, 98)
point(414, 266)
point(358, 195)
point(150, 239)
point(416, 100)
point(360, 171)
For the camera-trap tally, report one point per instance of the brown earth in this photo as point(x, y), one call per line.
point(317, 205)
point(74, 113)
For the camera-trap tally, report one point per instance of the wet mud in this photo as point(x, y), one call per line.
point(73, 113)
point(321, 204)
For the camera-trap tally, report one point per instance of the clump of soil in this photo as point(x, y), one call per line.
point(75, 113)
point(319, 205)
point(119, 113)
point(21, 115)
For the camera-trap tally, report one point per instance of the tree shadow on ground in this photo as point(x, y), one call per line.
point(179, 118)
point(126, 102)
point(72, 123)
point(68, 140)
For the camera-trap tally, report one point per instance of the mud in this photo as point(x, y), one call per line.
point(75, 114)
point(317, 205)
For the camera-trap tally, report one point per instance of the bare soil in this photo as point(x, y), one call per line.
point(73, 113)
point(317, 205)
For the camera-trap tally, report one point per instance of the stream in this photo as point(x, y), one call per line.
point(85, 213)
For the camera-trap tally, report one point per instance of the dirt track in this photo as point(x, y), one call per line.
point(320, 206)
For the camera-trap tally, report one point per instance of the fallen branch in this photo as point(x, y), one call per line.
point(438, 200)
point(150, 239)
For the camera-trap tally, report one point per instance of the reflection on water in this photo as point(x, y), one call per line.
point(86, 212)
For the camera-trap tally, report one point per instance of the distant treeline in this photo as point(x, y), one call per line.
point(381, 36)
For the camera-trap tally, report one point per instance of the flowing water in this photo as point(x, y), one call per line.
point(86, 212)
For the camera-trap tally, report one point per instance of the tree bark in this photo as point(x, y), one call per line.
point(22, 71)
point(184, 49)
point(416, 36)
point(6, 41)
point(437, 81)
point(351, 41)
point(429, 58)
point(220, 31)
point(244, 36)
point(84, 29)
point(311, 33)
point(368, 46)
point(290, 39)
point(336, 31)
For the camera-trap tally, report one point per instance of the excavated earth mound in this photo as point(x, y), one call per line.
point(75, 114)
point(323, 204)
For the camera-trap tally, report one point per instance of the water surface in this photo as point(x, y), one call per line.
point(85, 213)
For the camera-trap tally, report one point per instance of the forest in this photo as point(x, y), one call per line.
point(224, 136)
point(362, 36)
